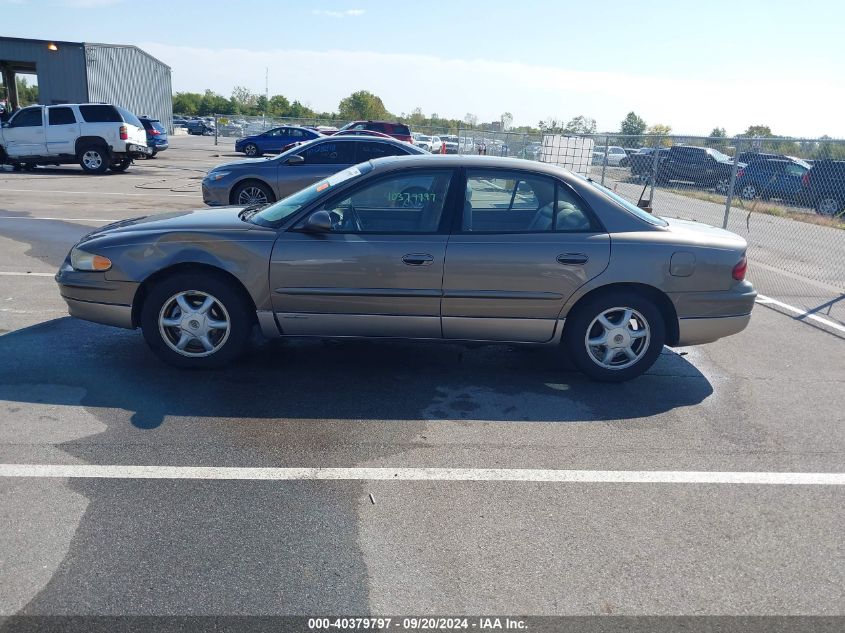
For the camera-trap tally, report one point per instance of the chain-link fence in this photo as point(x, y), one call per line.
point(786, 197)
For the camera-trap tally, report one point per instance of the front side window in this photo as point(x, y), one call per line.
point(330, 153)
point(411, 202)
point(61, 116)
point(518, 202)
point(28, 117)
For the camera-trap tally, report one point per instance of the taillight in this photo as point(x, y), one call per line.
point(740, 173)
point(805, 179)
point(124, 135)
point(739, 270)
point(153, 132)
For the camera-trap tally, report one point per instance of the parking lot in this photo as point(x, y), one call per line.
point(415, 522)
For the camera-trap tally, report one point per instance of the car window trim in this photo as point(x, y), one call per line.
point(445, 220)
point(598, 225)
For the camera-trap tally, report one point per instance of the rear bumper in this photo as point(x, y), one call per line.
point(136, 151)
point(695, 331)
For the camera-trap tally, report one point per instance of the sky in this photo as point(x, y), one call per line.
point(691, 65)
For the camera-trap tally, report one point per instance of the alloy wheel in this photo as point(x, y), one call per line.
point(92, 159)
point(617, 338)
point(194, 323)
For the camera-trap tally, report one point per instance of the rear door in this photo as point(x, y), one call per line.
point(24, 136)
point(378, 272)
point(512, 262)
point(320, 161)
point(62, 130)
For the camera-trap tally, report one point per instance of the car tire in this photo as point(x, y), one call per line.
point(749, 191)
point(601, 318)
point(829, 206)
point(722, 185)
point(121, 165)
point(252, 192)
point(153, 155)
point(167, 327)
point(251, 150)
point(93, 159)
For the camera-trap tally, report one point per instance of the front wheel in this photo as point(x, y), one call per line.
point(615, 336)
point(749, 191)
point(196, 321)
point(121, 165)
point(250, 193)
point(722, 185)
point(251, 149)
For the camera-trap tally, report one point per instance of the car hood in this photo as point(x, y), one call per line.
point(698, 231)
point(217, 219)
point(247, 163)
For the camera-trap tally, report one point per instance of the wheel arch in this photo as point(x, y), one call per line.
point(247, 180)
point(187, 267)
point(660, 299)
point(84, 141)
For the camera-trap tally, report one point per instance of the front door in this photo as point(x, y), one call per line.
point(24, 135)
point(513, 262)
point(377, 272)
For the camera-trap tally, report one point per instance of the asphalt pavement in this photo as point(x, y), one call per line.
point(769, 400)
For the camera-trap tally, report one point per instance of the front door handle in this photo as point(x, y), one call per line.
point(572, 259)
point(418, 259)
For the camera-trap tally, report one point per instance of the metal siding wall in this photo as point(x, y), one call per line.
point(61, 73)
point(127, 77)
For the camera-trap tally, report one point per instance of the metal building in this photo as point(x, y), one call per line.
point(78, 72)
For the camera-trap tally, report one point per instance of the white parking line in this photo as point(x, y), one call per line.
point(802, 314)
point(103, 193)
point(421, 474)
point(7, 274)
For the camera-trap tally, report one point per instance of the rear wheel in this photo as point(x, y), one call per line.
point(829, 205)
point(195, 320)
point(615, 336)
point(93, 159)
point(252, 193)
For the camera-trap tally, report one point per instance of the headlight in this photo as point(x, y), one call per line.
point(80, 260)
point(214, 176)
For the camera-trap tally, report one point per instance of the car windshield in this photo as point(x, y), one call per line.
point(719, 155)
point(286, 207)
point(631, 208)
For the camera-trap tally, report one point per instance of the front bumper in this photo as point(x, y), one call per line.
point(92, 297)
point(105, 313)
point(215, 196)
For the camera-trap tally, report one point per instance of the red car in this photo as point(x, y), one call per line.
point(399, 131)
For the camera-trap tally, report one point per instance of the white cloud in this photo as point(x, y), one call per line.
point(338, 14)
point(453, 87)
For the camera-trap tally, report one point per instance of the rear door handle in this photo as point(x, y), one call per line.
point(572, 259)
point(418, 259)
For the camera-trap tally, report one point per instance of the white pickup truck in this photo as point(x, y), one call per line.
point(97, 136)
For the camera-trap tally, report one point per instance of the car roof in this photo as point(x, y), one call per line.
point(472, 161)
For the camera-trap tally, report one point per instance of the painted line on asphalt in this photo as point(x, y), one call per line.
point(10, 274)
point(91, 471)
point(104, 193)
point(802, 314)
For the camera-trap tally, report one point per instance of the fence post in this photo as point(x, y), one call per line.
point(729, 194)
point(655, 164)
point(215, 129)
point(604, 162)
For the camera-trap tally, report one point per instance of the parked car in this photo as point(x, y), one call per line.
point(642, 162)
point(451, 143)
point(703, 166)
point(398, 131)
point(436, 145)
point(156, 135)
point(824, 187)
point(750, 157)
point(362, 133)
point(199, 127)
point(269, 179)
point(616, 156)
point(230, 128)
point(363, 253)
point(772, 178)
point(423, 141)
point(98, 136)
point(179, 121)
point(272, 141)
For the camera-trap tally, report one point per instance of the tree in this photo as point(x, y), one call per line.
point(417, 117)
point(27, 95)
point(717, 138)
point(580, 125)
point(186, 102)
point(659, 129)
point(362, 105)
point(278, 106)
point(506, 120)
point(758, 130)
point(470, 119)
point(632, 125)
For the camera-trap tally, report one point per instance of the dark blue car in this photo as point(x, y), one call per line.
point(772, 178)
point(273, 141)
point(156, 134)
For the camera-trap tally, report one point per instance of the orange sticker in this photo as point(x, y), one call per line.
point(322, 187)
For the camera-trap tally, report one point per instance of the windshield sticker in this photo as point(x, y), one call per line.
point(343, 176)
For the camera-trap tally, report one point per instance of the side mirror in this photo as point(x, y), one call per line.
point(318, 222)
point(296, 159)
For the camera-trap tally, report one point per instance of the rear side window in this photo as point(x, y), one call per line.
point(61, 116)
point(330, 153)
point(402, 130)
point(369, 150)
point(28, 117)
point(128, 117)
point(101, 114)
